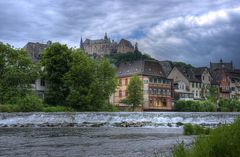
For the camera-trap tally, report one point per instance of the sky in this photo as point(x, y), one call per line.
point(192, 31)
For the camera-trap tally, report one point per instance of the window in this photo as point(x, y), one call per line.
point(151, 80)
point(126, 82)
point(120, 82)
point(42, 82)
point(203, 78)
point(120, 93)
point(145, 81)
point(155, 80)
point(192, 85)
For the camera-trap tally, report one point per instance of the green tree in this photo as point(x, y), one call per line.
point(213, 94)
point(17, 72)
point(104, 84)
point(79, 79)
point(91, 83)
point(56, 61)
point(134, 92)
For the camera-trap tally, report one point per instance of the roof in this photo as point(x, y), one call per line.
point(221, 65)
point(126, 43)
point(217, 76)
point(35, 49)
point(189, 74)
point(167, 66)
point(97, 41)
point(140, 67)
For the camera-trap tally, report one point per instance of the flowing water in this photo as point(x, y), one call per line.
point(98, 134)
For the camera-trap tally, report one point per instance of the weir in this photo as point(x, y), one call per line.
point(114, 119)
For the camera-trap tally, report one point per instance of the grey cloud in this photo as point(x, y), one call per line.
point(182, 38)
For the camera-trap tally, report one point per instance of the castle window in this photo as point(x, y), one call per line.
point(42, 82)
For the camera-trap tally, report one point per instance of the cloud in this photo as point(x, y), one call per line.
point(197, 39)
point(191, 31)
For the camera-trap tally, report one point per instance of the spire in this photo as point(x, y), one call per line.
point(105, 36)
point(136, 47)
point(81, 44)
point(221, 60)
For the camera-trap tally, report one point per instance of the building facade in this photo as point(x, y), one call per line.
point(156, 87)
point(105, 46)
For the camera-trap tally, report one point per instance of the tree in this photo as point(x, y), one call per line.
point(79, 79)
point(104, 84)
point(56, 61)
point(91, 83)
point(134, 92)
point(213, 94)
point(17, 72)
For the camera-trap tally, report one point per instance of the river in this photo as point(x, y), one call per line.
point(98, 134)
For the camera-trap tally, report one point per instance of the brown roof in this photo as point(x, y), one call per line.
point(126, 43)
point(140, 67)
point(189, 74)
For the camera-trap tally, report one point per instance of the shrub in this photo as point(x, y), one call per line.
point(8, 108)
point(223, 141)
point(195, 106)
point(30, 103)
point(190, 129)
point(57, 109)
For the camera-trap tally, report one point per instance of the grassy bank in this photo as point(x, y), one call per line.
point(223, 141)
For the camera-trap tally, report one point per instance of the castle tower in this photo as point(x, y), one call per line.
point(136, 47)
point(81, 44)
point(105, 36)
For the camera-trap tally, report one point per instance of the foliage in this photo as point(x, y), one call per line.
point(134, 92)
point(213, 94)
point(195, 106)
point(90, 82)
point(190, 129)
point(119, 58)
point(8, 108)
point(223, 141)
point(103, 85)
point(29, 103)
point(79, 79)
point(56, 62)
point(17, 72)
point(57, 109)
point(182, 65)
point(229, 105)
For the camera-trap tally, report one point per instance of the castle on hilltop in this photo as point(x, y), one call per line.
point(105, 46)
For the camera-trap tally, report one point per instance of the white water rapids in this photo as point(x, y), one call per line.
point(114, 119)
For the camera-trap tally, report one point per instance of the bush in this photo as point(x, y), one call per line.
point(30, 103)
point(195, 106)
point(229, 105)
point(8, 108)
point(222, 142)
point(190, 129)
point(57, 109)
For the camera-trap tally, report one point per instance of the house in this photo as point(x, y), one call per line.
point(222, 82)
point(156, 86)
point(234, 78)
point(34, 50)
point(186, 77)
point(203, 74)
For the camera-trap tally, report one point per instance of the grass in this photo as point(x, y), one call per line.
point(223, 141)
point(190, 129)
